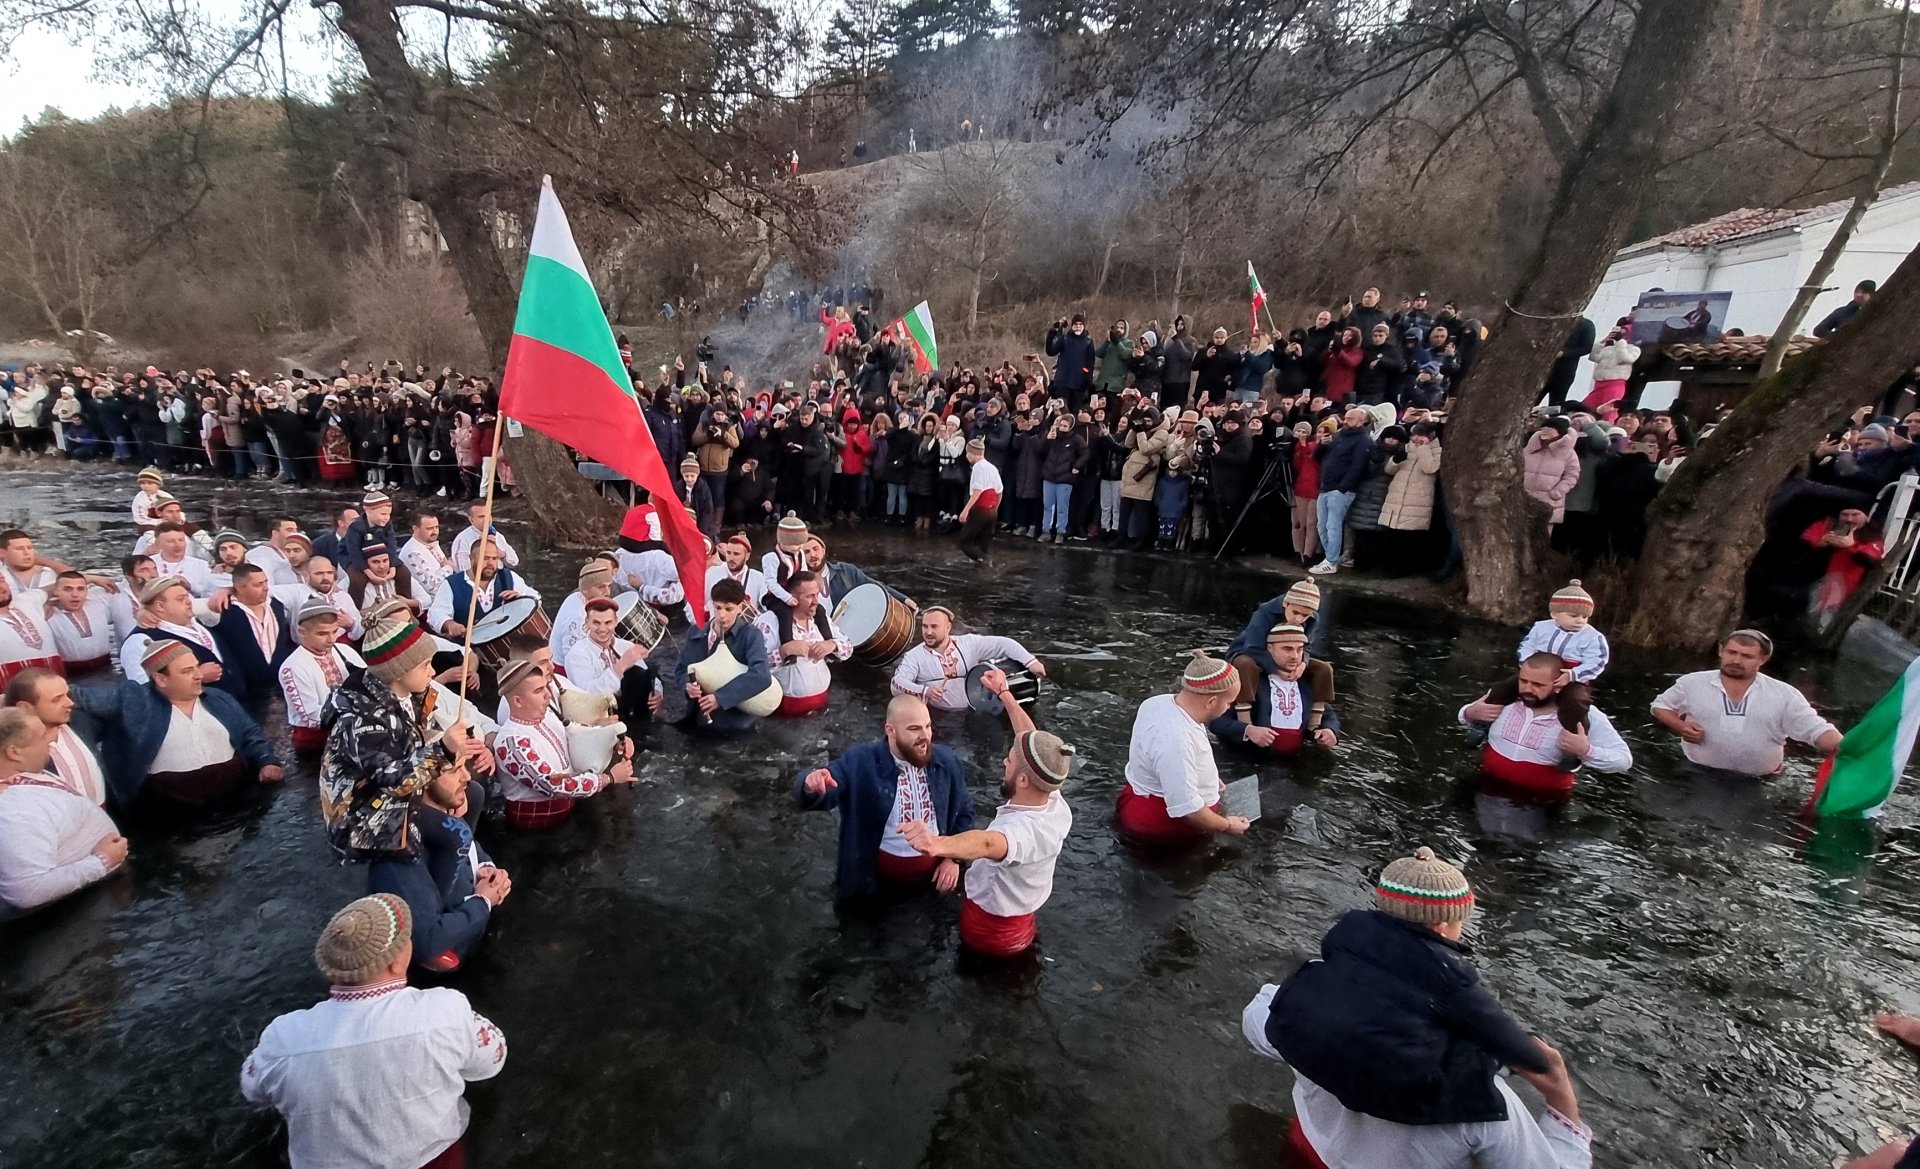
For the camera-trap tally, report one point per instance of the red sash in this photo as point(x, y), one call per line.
point(1286, 740)
point(1533, 777)
point(1297, 1143)
point(532, 815)
point(904, 869)
point(194, 788)
point(454, 1156)
point(87, 667)
point(8, 670)
point(993, 935)
point(1146, 816)
point(309, 740)
point(793, 706)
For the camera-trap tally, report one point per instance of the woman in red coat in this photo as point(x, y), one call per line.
point(839, 331)
point(1343, 358)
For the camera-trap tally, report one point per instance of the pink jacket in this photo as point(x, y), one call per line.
point(1552, 469)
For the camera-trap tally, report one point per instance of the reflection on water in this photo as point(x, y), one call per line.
point(678, 988)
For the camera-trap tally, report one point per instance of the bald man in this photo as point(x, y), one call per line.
point(900, 778)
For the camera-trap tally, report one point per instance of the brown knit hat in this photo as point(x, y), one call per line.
point(154, 589)
point(1303, 595)
point(395, 647)
point(508, 678)
point(1048, 761)
point(1571, 599)
point(792, 532)
point(1423, 888)
point(1286, 635)
point(160, 651)
point(595, 572)
point(1209, 675)
point(363, 939)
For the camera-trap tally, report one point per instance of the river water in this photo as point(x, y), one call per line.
point(678, 989)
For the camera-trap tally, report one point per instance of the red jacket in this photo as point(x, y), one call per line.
point(859, 448)
point(1338, 371)
point(1306, 471)
point(837, 331)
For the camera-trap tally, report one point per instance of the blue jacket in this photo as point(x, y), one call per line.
point(1074, 370)
point(1229, 729)
point(868, 777)
point(360, 534)
point(1393, 1021)
point(1252, 641)
point(1344, 461)
point(133, 719)
point(437, 884)
point(744, 642)
point(250, 671)
point(232, 681)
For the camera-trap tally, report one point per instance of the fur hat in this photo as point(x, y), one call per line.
point(792, 532)
point(1571, 599)
point(1048, 761)
point(394, 647)
point(363, 939)
point(1423, 888)
point(1303, 594)
point(160, 651)
point(1209, 675)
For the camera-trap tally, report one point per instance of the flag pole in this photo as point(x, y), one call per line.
point(486, 534)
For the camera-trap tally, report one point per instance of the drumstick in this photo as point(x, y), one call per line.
point(473, 595)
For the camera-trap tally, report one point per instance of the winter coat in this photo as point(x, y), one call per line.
point(1147, 370)
point(1371, 498)
point(866, 778)
point(1231, 462)
point(1552, 469)
point(715, 451)
point(1414, 480)
point(1114, 354)
point(1592, 447)
point(1393, 1021)
point(924, 465)
point(1251, 377)
point(1379, 373)
point(1064, 457)
point(1142, 471)
point(1337, 372)
point(1306, 471)
point(1343, 462)
point(1178, 352)
point(838, 331)
point(1614, 361)
point(1029, 453)
point(1217, 372)
point(376, 748)
point(1074, 368)
point(997, 432)
point(1110, 455)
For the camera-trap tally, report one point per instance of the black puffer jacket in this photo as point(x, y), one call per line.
point(1063, 457)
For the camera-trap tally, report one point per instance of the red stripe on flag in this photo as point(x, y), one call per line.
point(1819, 788)
point(571, 400)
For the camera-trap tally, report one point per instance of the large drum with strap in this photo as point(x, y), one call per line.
point(490, 633)
point(877, 623)
point(639, 623)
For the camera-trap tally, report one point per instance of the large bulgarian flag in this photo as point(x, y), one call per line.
point(565, 379)
point(1857, 780)
point(916, 329)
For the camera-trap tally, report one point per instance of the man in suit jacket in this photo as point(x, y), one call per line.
point(254, 634)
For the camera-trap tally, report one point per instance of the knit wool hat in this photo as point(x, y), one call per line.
point(228, 536)
point(381, 610)
point(154, 589)
point(302, 539)
point(1303, 594)
point(373, 550)
point(1423, 888)
point(314, 608)
point(363, 939)
point(595, 572)
point(1287, 635)
point(792, 532)
point(160, 651)
point(375, 499)
point(394, 647)
point(689, 462)
point(162, 499)
point(1209, 675)
point(741, 539)
point(1049, 762)
point(1571, 599)
point(977, 444)
point(150, 475)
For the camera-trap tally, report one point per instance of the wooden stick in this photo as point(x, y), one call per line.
point(473, 595)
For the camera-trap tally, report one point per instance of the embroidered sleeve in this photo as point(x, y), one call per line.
point(489, 1051)
point(300, 711)
point(529, 759)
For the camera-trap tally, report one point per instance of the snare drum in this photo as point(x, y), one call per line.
point(639, 623)
point(879, 624)
point(1024, 683)
point(490, 633)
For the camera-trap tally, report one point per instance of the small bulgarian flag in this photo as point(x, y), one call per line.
point(1856, 781)
point(564, 378)
point(917, 330)
point(1259, 295)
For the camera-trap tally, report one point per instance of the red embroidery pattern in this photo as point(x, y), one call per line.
point(24, 626)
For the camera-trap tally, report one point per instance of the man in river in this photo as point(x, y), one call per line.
point(877, 787)
point(376, 1074)
point(1528, 748)
point(936, 669)
point(1395, 1045)
point(1172, 791)
point(1737, 719)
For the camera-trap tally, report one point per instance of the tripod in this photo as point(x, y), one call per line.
point(1277, 479)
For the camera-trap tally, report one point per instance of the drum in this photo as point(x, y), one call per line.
point(1024, 683)
point(721, 667)
point(639, 623)
point(508, 617)
point(878, 624)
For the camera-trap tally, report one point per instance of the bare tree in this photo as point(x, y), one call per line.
point(60, 252)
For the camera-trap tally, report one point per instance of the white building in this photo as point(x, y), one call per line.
point(1761, 256)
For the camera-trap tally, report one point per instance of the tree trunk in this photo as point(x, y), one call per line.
point(1870, 184)
point(567, 508)
point(1705, 525)
point(1106, 265)
point(1502, 530)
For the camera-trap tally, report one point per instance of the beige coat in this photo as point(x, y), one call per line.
point(1146, 448)
point(1410, 491)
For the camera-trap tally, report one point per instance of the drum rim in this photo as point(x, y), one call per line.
point(501, 610)
point(841, 608)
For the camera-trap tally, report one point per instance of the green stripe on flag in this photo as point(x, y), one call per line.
point(919, 323)
point(558, 306)
point(1872, 756)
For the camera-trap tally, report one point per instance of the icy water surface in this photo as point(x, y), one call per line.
point(677, 989)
